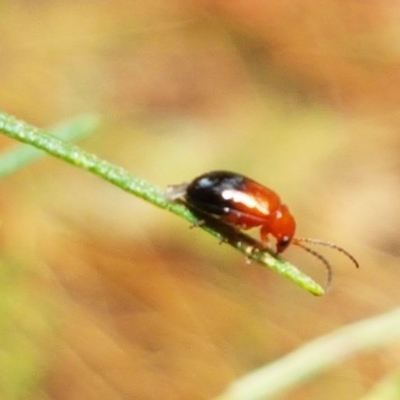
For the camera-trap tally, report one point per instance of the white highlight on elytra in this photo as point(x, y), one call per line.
point(240, 197)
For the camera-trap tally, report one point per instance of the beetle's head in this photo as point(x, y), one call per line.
point(282, 228)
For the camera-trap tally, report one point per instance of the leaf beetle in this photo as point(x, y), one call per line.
point(244, 203)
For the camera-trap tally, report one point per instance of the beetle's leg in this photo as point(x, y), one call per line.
point(264, 234)
point(175, 192)
point(199, 222)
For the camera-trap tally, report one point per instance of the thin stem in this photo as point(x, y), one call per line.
point(314, 358)
point(71, 130)
point(120, 177)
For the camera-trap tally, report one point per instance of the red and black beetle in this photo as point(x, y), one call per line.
point(244, 203)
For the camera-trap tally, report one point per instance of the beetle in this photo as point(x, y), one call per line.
point(244, 203)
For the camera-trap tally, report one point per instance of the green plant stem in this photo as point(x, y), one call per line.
point(71, 130)
point(315, 358)
point(120, 177)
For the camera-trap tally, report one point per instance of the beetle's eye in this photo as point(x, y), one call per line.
point(282, 244)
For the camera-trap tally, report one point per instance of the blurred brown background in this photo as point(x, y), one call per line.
point(106, 297)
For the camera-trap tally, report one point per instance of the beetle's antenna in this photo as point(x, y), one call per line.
point(320, 242)
point(298, 242)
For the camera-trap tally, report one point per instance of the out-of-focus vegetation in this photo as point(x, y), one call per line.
point(303, 96)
